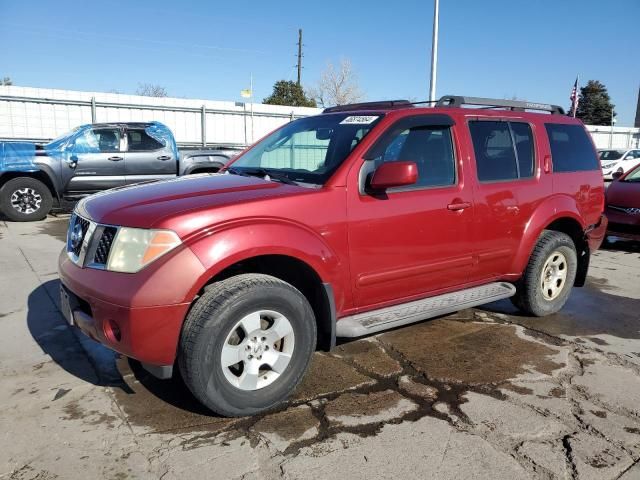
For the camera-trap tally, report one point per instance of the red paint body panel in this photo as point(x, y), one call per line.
point(374, 250)
point(626, 195)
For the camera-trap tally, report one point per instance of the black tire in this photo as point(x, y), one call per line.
point(213, 318)
point(36, 191)
point(530, 296)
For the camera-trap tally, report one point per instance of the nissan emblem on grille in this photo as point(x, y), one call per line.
point(76, 236)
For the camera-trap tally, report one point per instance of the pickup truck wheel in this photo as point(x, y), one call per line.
point(549, 276)
point(246, 344)
point(25, 199)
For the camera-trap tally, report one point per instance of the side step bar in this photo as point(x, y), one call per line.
point(398, 315)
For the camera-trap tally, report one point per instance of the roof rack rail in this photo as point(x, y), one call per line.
point(517, 105)
point(383, 105)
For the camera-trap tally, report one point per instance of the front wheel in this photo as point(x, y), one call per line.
point(546, 284)
point(246, 344)
point(25, 199)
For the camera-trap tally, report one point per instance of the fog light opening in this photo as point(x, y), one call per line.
point(112, 331)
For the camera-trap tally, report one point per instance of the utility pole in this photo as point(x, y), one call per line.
point(299, 55)
point(434, 50)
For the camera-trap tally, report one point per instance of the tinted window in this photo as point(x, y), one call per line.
point(101, 140)
point(523, 139)
point(430, 148)
point(140, 141)
point(495, 156)
point(610, 155)
point(571, 149)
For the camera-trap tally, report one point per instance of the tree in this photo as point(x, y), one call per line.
point(594, 105)
point(337, 85)
point(6, 81)
point(287, 92)
point(151, 90)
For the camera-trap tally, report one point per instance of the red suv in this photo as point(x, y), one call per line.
point(361, 219)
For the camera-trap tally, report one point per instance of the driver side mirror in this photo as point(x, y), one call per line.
point(394, 174)
point(616, 175)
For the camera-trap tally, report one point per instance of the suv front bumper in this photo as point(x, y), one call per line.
point(126, 312)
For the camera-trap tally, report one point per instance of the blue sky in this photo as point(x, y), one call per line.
point(529, 49)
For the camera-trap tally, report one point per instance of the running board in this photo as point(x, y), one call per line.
point(398, 315)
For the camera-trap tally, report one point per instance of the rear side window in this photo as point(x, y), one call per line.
point(571, 149)
point(503, 150)
point(140, 141)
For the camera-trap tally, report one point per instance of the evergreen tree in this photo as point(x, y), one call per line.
point(594, 106)
point(286, 92)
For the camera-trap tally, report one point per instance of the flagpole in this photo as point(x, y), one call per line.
point(574, 107)
point(251, 90)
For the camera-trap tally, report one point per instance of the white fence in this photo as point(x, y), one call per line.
point(42, 114)
point(618, 137)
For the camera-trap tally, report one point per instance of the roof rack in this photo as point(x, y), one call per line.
point(517, 105)
point(384, 105)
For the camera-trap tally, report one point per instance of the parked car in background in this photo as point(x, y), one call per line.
point(620, 161)
point(623, 205)
point(365, 218)
point(36, 178)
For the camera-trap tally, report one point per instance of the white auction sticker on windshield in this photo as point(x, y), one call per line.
point(359, 120)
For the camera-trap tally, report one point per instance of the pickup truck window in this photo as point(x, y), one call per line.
point(140, 141)
point(503, 150)
point(98, 140)
point(430, 147)
point(310, 149)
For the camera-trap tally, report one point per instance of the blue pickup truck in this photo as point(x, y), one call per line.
point(37, 178)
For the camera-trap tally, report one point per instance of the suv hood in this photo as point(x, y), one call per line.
point(145, 205)
point(624, 194)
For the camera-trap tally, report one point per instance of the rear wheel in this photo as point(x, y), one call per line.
point(549, 276)
point(25, 199)
point(246, 344)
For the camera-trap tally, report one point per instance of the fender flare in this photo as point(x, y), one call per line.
point(553, 208)
point(41, 169)
point(227, 244)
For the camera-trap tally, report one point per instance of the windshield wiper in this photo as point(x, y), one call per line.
point(264, 173)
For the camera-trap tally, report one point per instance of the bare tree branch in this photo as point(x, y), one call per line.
point(151, 90)
point(337, 85)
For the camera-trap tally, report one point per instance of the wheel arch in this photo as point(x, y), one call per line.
point(302, 276)
point(40, 175)
point(558, 214)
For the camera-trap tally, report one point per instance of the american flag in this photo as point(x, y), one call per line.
point(574, 98)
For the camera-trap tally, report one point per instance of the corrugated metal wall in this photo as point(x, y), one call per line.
point(38, 113)
point(43, 114)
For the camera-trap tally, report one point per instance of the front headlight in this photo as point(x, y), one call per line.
point(135, 248)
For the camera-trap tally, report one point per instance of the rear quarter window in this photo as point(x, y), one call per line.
point(571, 148)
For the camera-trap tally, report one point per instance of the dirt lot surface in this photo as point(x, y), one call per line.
point(483, 393)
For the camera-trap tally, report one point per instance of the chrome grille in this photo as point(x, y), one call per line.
point(104, 245)
point(78, 237)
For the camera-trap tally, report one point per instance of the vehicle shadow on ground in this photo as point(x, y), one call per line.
point(590, 311)
point(69, 348)
point(173, 392)
point(616, 244)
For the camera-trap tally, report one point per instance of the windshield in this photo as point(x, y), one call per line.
point(610, 155)
point(633, 176)
point(307, 150)
point(62, 138)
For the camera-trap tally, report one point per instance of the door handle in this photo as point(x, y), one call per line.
point(115, 159)
point(164, 157)
point(458, 206)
